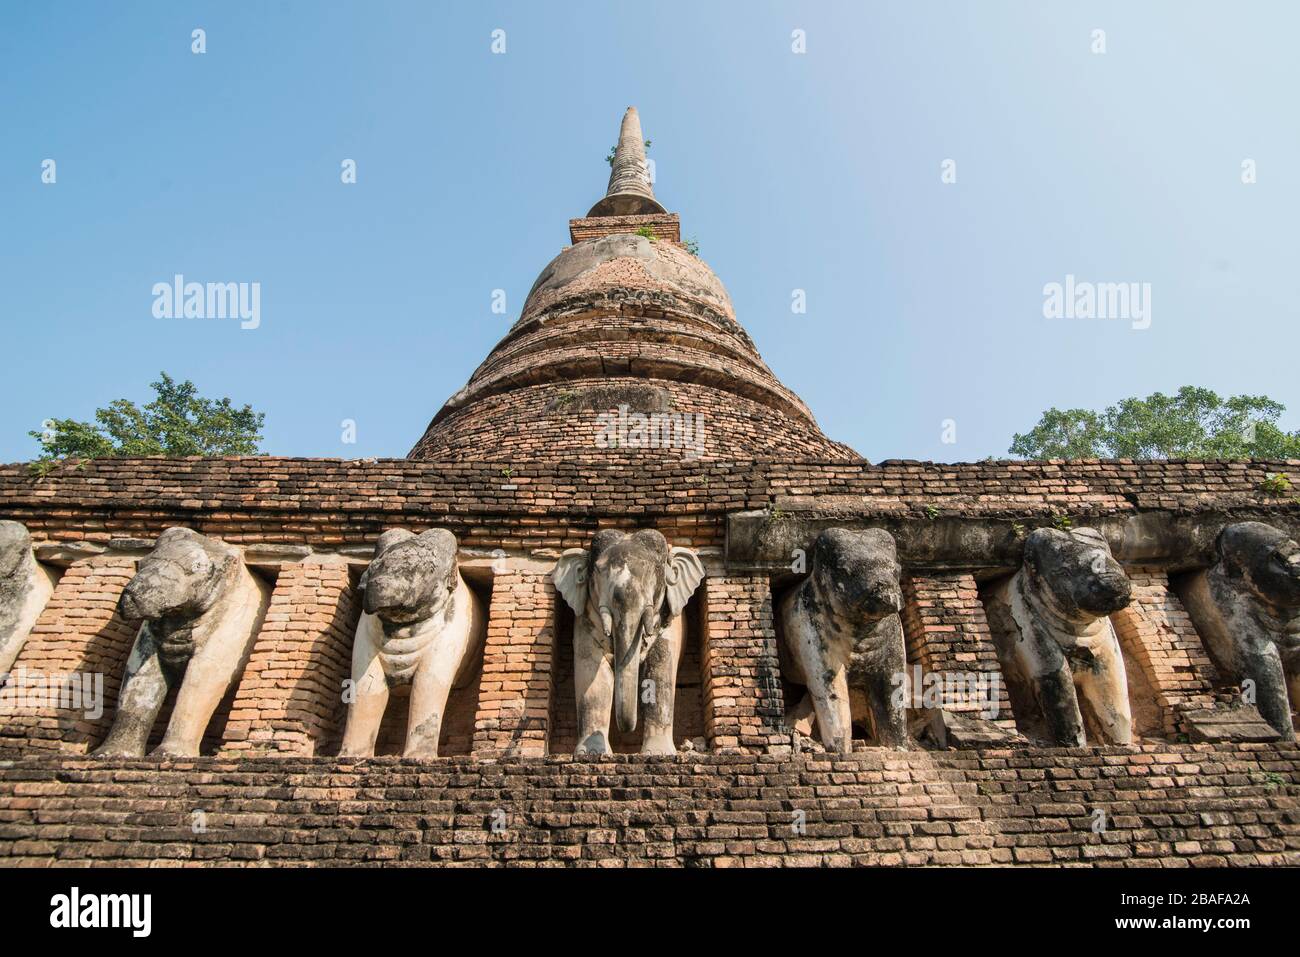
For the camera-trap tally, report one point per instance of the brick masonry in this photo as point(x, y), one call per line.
point(947, 632)
point(514, 698)
point(289, 699)
point(1168, 669)
point(743, 701)
point(332, 502)
point(80, 633)
point(1166, 805)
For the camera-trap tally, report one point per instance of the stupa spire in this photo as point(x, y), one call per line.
point(630, 192)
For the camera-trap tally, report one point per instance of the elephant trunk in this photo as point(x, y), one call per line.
point(627, 668)
point(158, 589)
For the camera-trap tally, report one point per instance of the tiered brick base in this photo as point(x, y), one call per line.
point(1167, 805)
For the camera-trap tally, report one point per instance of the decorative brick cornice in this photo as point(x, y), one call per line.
point(398, 487)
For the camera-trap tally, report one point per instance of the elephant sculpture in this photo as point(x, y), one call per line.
point(25, 587)
point(627, 594)
point(422, 626)
point(1246, 607)
point(843, 639)
point(201, 608)
point(1055, 641)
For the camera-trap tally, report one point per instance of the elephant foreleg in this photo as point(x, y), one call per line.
point(802, 716)
point(369, 699)
point(1262, 664)
point(593, 685)
point(1056, 698)
point(661, 671)
point(144, 688)
point(877, 672)
point(1104, 686)
point(429, 693)
point(828, 685)
point(1293, 684)
point(208, 677)
point(1040, 660)
point(424, 720)
point(834, 713)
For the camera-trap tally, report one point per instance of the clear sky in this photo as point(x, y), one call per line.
point(818, 171)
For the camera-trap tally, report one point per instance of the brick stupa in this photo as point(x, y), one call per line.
point(627, 396)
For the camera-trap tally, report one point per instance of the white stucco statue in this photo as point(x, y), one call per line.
point(1055, 641)
point(627, 593)
point(202, 608)
point(1246, 608)
point(844, 640)
point(25, 587)
point(422, 626)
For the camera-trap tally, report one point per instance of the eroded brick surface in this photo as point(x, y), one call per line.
point(1173, 806)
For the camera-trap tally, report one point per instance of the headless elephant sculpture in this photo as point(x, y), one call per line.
point(1246, 608)
point(25, 587)
point(1055, 641)
point(627, 594)
point(422, 626)
point(843, 638)
point(201, 608)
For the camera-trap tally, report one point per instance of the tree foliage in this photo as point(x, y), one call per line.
point(177, 422)
point(1192, 424)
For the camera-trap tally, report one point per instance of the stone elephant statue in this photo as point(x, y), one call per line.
point(1246, 608)
point(201, 608)
point(1055, 641)
point(421, 625)
point(25, 587)
point(627, 593)
point(843, 638)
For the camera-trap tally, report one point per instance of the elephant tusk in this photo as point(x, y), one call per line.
point(607, 622)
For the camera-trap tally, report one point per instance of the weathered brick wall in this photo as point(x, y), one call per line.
point(948, 633)
point(514, 698)
point(289, 699)
point(79, 633)
point(328, 502)
point(1167, 805)
point(743, 703)
point(1168, 669)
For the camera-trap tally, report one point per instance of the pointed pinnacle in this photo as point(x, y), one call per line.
point(630, 192)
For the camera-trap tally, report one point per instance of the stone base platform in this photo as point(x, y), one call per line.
point(1159, 805)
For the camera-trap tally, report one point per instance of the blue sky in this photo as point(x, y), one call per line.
point(818, 171)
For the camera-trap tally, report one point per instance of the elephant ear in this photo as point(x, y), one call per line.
point(570, 578)
point(684, 573)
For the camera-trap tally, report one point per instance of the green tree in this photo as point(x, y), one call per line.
point(177, 422)
point(1193, 424)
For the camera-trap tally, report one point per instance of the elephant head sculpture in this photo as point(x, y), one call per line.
point(627, 593)
point(1055, 641)
point(201, 608)
point(174, 586)
point(25, 586)
point(1073, 575)
point(1246, 608)
point(422, 626)
point(843, 637)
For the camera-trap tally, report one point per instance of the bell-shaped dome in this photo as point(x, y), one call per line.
point(627, 346)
